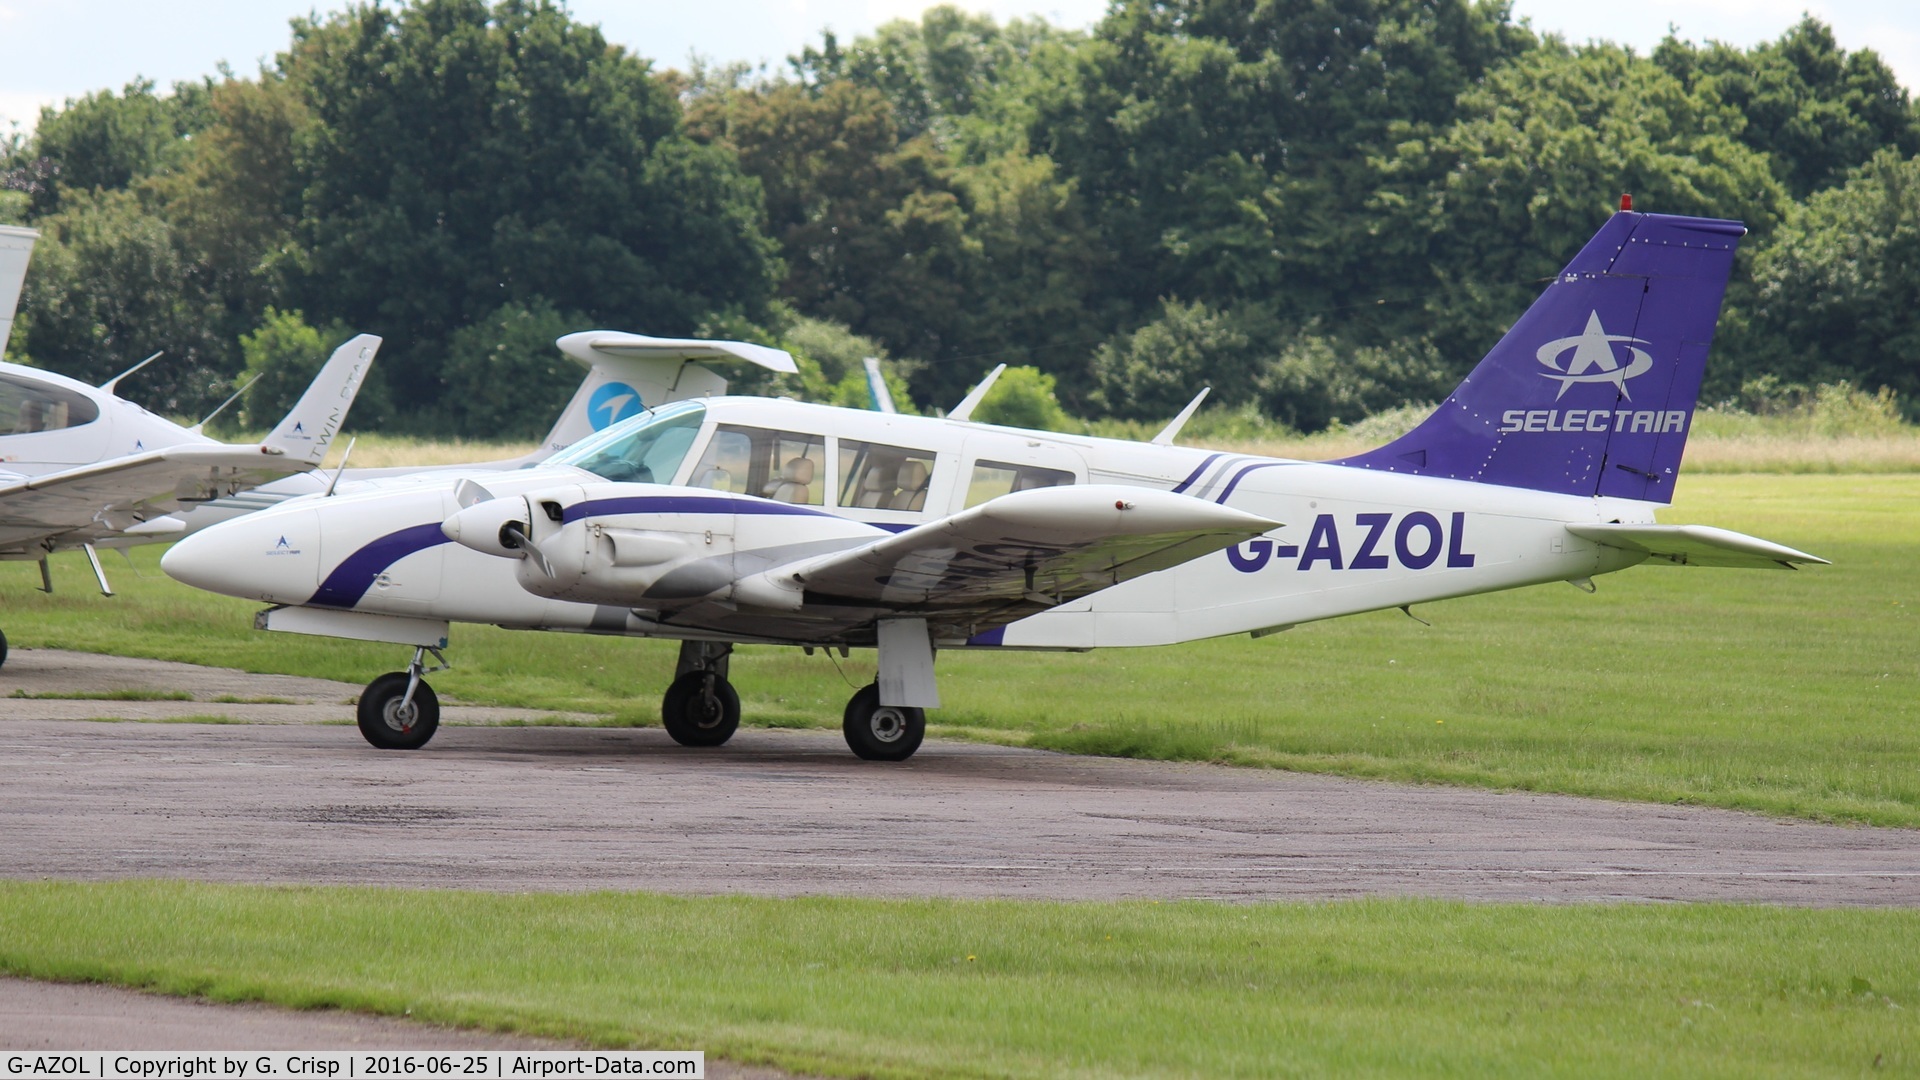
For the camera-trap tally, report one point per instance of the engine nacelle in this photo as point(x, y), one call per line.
point(501, 527)
point(652, 546)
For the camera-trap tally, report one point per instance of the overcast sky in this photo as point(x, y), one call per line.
point(51, 50)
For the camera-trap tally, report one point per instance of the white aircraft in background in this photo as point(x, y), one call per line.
point(81, 466)
point(739, 520)
point(622, 370)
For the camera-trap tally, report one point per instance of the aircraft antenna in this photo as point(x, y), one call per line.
point(1165, 438)
point(218, 409)
point(115, 381)
point(335, 482)
point(964, 410)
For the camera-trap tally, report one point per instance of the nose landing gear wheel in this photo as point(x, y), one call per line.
point(697, 714)
point(391, 722)
point(879, 732)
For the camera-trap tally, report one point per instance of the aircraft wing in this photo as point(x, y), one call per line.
point(90, 501)
point(1696, 545)
point(1026, 550)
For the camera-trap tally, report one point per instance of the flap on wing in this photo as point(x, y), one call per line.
point(1696, 545)
point(1044, 547)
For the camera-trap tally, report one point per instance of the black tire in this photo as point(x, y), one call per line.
point(3, 649)
point(879, 732)
point(691, 718)
point(382, 722)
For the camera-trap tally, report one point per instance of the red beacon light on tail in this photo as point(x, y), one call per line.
point(1626, 201)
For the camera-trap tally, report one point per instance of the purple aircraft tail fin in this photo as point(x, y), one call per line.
point(1593, 390)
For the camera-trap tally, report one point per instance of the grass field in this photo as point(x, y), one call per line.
point(1738, 450)
point(1791, 693)
point(951, 988)
point(1785, 692)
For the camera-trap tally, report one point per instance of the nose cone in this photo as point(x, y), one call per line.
point(268, 556)
point(481, 526)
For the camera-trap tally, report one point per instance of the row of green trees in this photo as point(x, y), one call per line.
point(1322, 209)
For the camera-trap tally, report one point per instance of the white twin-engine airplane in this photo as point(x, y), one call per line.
point(737, 520)
point(83, 467)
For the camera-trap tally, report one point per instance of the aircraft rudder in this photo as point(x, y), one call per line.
point(16, 249)
point(307, 432)
point(628, 373)
point(1592, 391)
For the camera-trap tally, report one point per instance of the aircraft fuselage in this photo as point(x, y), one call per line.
point(1351, 540)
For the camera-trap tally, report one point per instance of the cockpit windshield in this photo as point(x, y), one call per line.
point(646, 449)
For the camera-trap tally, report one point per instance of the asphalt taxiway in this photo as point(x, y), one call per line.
point(297, 796)
point(282, 789)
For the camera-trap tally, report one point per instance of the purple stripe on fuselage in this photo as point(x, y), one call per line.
point(358, 571)
point(682, 504)
point(1237, 477)
point(1188, 482)
point(995, 636)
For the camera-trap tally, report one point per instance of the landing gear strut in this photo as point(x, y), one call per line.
point(879, 732)
point(398, 710)
point(700, 707)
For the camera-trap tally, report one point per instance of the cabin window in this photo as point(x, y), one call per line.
point(992, 479)
point(27, 406)
point(645, 449)
point(785, 466)
point(875, 476)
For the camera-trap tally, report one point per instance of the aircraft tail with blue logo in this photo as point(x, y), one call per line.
point(1593, 390)
point(628, 373)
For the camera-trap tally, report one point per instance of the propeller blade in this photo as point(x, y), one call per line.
point(513, 535)
point(470, 492)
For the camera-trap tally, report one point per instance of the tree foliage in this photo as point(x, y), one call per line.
point(506, 154)
point(1815, 110)
point(1319, 209)
point(282, 355)
point(1837, 295)
point(504, 378)
point(107, 287)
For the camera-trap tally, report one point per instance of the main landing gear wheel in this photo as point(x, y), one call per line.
point(700, 709)
point(879, 732)
point(392, 721)
point(3, 648)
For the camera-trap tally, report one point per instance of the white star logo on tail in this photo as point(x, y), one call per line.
point(1594, 359)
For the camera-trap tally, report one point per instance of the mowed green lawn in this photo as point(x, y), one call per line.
point(951, 988)
point(1786, 692)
